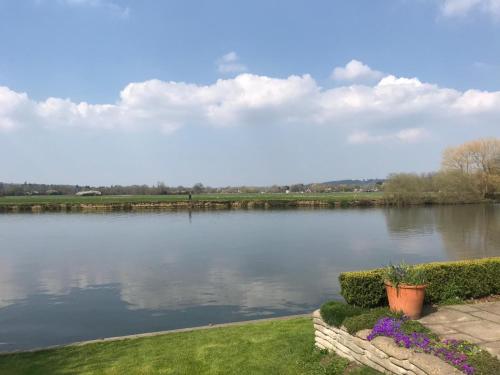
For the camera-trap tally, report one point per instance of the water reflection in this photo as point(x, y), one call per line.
point(467, 231)
point(67, 277)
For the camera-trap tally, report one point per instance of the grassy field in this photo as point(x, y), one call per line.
point(113, 199)
point(274, 347)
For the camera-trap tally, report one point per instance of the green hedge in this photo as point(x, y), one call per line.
point(446, 281)
point(335, 312)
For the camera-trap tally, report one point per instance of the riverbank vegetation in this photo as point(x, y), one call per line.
point(197, 201)
point(470, 173)
point(275, 347)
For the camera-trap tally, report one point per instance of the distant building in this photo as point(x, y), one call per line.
point(88, 193)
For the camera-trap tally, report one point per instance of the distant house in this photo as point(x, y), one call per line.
point(88, 193)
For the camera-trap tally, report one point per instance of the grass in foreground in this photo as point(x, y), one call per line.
point(116, 199)
point(276, 347)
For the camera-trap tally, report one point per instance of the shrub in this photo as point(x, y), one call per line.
point(446, 281)
point(363, 288)
point(367, 320)
point(334, 312)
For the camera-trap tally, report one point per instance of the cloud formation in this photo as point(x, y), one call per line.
point(410, 135)
point(230, 63)
point(461, 8)
point(355, 71)
point(109, 5)
point(393, 110)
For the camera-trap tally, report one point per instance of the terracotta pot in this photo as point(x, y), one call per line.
point(408, 299)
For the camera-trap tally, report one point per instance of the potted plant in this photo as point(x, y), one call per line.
point(405, 287)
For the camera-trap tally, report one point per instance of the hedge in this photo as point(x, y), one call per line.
point(335, 312)
point(459, 280)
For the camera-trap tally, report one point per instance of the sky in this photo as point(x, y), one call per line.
point(105, 92)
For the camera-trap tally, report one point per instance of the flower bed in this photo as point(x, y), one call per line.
point(454, 352)
point(393, 344)
point(381, 353)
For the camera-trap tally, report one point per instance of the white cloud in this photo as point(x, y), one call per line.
point(393, 110)
point(109, 5)
point(462, 8)
point(230, 63)
point(409, 135)
point(355, 71)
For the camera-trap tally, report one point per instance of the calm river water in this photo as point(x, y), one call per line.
point(71, 277)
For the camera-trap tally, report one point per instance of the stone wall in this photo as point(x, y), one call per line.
point(381, 353)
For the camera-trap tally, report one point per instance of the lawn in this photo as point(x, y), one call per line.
point(114, 199)
point(272, 347)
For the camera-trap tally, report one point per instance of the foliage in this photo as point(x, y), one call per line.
point(353, 318)
point(334, 312)
point(411, 326)
point(446, 281)
point(408, 188)
point(484, 363)
point(277, 347)
point(470, 173)
point(479, 159)
point(441, 187)
point(366, 320)
point(363, 288)
point(403, 274)
point(220, 197)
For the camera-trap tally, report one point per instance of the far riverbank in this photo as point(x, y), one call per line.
point(181, 202)
point(67, 203)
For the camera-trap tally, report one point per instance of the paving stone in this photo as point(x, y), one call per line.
point(445, 316)
point(483, 329)
point(492, 307)
point(487, 315)
point(440, 329)
point(463, 308)
point(493, 348)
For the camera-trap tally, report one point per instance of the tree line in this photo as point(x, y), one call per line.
point(469, 172)
point(27, 188)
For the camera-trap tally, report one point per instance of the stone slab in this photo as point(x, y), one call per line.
point(432, 365)
point(441, 329)
point(386, 345)
point(446, 316)
point(487, 316)
point(463, 308)
point(492, 307)
point(484, 330)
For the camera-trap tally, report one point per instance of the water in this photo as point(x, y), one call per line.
point(72, 277)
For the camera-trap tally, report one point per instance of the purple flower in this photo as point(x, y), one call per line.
point(449, 350)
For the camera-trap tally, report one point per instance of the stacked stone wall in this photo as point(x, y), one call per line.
point(381, 353)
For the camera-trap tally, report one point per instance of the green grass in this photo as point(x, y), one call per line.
point(275, 347)
point(117, 199)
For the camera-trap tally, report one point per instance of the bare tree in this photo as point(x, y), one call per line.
point(479, 158)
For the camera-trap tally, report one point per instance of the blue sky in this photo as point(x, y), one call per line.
point(230, 93)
